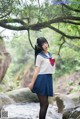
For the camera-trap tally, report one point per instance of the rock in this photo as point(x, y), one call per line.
point(26, 76)
point(5, 100)
point(72, 113)
point(23, 95)
point(5, 59)
point(1, 108)
point(75, 97)
point(62, 102)
point(67, 105)
point(68, 83)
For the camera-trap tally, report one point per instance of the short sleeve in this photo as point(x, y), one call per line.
point(38, 61)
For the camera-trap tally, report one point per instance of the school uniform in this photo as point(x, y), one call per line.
point(44, 83)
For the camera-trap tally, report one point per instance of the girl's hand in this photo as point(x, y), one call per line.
point(36, 71)
point(30, 86)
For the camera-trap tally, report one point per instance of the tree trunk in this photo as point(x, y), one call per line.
point(5, 60)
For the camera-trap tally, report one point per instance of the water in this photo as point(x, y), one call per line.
point(30, 111)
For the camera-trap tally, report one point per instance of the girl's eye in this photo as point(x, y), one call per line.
point(44, 44)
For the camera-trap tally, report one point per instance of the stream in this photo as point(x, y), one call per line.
point(30, 111)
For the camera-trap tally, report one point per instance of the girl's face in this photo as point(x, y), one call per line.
point(45, 46)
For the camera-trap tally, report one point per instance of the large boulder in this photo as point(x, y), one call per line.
point(72, 113)
point(5, 100)
point(5, 59)
point(62, 101)
point(26, 76)
point(22, 95)
point(68, 105)
point(25, 95)
point(75, 97)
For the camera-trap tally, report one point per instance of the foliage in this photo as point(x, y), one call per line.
point(59, 23)
point(22, 54)
point(20, 51)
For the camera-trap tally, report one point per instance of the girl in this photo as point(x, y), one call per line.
point(41, 83)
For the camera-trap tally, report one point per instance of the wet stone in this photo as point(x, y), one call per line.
point(30, 111)
point(73, 113)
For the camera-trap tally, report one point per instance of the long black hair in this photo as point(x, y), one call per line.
point(38, 46)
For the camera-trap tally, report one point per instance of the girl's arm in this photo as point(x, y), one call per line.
point(35, 74)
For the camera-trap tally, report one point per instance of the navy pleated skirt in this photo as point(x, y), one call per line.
point(43, 85)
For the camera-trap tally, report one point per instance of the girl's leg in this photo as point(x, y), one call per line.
point(43, 106)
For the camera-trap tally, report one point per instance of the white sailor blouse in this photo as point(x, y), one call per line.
point(46, 63)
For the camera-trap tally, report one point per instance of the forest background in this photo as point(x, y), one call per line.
point(56, 20)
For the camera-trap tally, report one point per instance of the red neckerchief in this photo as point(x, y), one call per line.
point(52, 61)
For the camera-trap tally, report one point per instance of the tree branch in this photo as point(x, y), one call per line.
point(71, 22)
point(30, 39)
point(55, 20)
point(13, 27)
point(62, 37)
point(6, 23)
point(63, 34)
point(10, 20)
point(76, 10)
point(5, 15)
point(77, 48)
